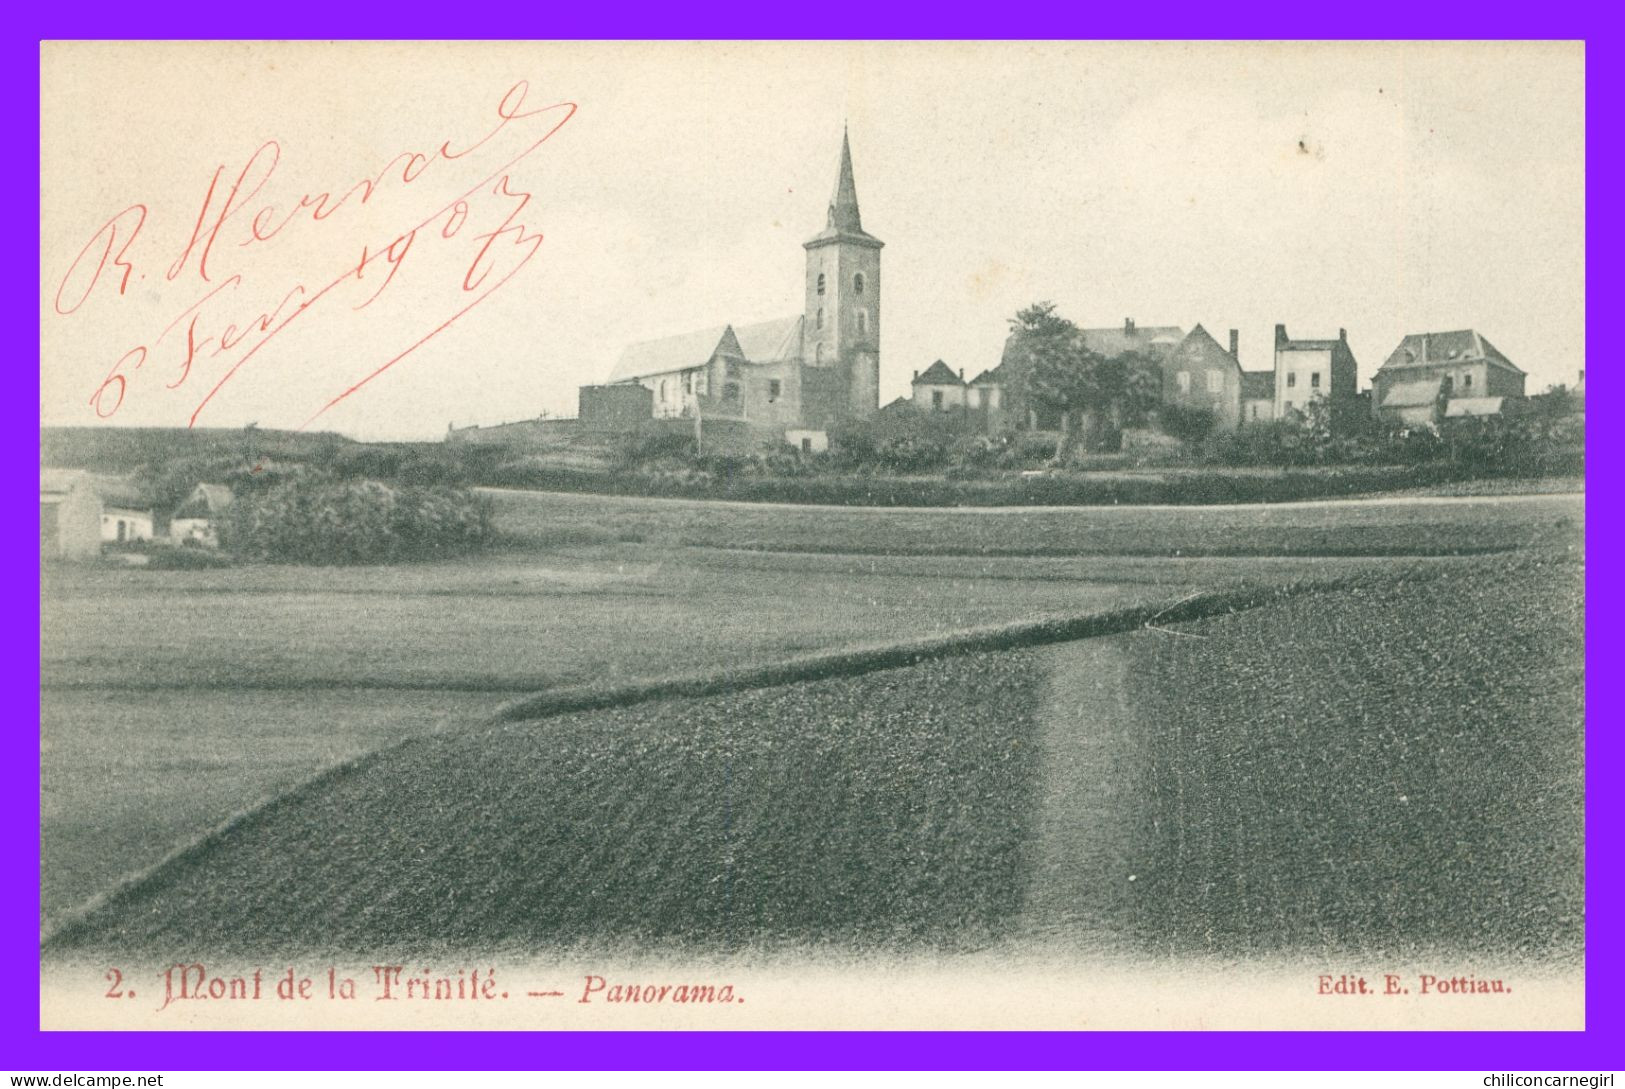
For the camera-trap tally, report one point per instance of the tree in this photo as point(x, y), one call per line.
point(1090, 391)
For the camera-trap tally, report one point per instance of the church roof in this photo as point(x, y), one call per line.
point(843, 204)
point(760, 342)
point(771, 341)
point(844, 223)
point(939, 374)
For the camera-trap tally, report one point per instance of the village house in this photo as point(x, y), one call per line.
point(1003, 388)
point(122, 524)
point(1257, 396)
point(984, 403)
point(70, 515)
point(1201, 375)
point(1307, 371)
point(1433, 375)
point(939, 389)
point(196, 521)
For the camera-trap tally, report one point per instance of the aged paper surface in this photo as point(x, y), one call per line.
point(296, 795)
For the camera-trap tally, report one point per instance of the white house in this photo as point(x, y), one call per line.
point(126, 524)
point(196, 521)
point(70, 513)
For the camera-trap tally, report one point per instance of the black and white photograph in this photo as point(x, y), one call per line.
point(816, 535)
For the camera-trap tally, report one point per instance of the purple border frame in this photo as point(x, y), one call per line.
point(23, 1047)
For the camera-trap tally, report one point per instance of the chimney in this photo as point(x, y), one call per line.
point(1128, 327)
point(1280, 337)
point(916, 375)
point(1343, 335)
point(1235, 345)
point(1582, 376)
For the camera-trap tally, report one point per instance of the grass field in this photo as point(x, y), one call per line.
point(171, 700)
point(1399, 766)
point(1412, 526)
point(875, 809)
point(1395, 767)
point(1267, 796)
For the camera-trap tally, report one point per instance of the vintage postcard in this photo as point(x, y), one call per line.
point(812, 535)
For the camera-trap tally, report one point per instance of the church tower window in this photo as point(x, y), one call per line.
point(820, 317)
point(857, 283)
point(863, 322)
point(820, 283)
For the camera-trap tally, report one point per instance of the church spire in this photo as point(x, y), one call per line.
point(843, 206)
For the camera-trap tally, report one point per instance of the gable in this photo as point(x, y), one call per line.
point(761, 342)
point(1199, 349)
point(675, 353)
point(938, 374)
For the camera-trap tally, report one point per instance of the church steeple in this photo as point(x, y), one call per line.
point(843, 206)
point(841, 329)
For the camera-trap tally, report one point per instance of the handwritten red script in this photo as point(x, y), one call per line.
point(234, 313)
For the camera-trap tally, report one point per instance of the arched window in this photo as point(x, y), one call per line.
point(820, 283)
point(818, 352)
point(857, 283)
point(863, 322)
point(820, 317)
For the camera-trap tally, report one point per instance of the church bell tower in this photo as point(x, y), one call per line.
point(842, 328)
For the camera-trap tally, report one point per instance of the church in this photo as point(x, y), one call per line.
point(787, 380)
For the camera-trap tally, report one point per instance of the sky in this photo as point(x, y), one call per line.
point(1379, 188)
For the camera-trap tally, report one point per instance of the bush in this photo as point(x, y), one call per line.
point(186, 559)
point(350, 522)
point(1185, 424)
point(652, 444)
point(1027, 450)
point(1532, 445)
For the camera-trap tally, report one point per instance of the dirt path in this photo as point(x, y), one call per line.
point(1085, 873)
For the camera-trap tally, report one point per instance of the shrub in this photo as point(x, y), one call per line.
point(349, 522)
point(1026, 450)
point(186, 559)
point(652, 443)
point(1185, 424)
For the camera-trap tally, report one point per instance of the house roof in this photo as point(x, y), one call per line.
point(1456, 346)
point(1204, 341)
point(988, 378)
point(1285, 343)
point(760, 342)
point(205, 500)
point(1258, 385)
point(939, 374)
point(1157, 340)
point(1412, 394)
point(62, 481)
point(1116, 341)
